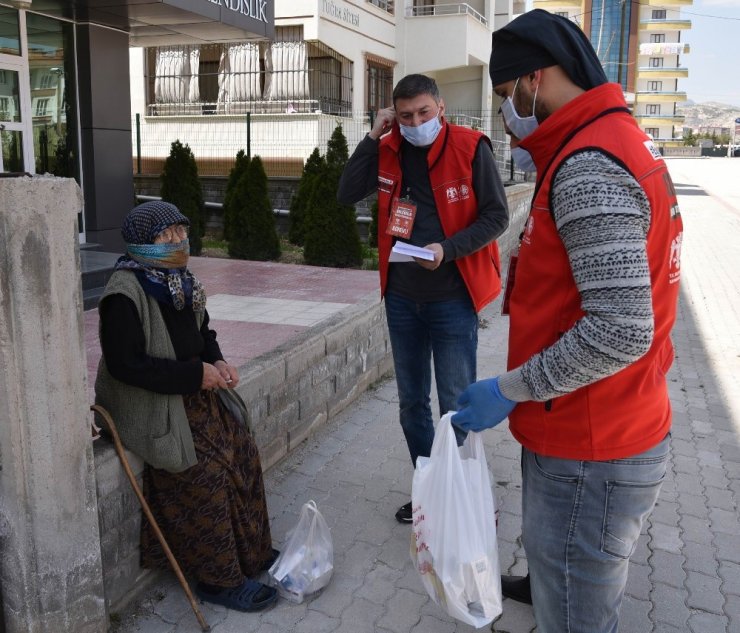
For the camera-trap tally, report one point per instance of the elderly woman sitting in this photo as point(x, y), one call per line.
point(165, 382)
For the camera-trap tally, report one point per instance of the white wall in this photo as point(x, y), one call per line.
point(138, 92)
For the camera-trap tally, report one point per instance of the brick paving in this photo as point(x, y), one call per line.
point(685, 574)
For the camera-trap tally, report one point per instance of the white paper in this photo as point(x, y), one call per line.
point(403, 252)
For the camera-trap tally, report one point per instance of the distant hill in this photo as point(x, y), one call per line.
point(709, 114)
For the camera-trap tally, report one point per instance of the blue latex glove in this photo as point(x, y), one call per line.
point(483, 406)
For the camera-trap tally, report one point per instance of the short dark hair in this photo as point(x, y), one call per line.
point(414, 85)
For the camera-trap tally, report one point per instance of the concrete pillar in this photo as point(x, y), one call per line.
point(50, 569)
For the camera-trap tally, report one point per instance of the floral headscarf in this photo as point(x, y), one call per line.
point(160, 268)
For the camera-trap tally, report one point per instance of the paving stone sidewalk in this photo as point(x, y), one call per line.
point(685, 574)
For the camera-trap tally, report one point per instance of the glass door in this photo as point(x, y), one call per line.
point(16, 151)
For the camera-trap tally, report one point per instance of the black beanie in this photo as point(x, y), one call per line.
point(538, 39)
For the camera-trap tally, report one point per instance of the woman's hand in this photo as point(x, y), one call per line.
point(228, 372)
point(212, 378)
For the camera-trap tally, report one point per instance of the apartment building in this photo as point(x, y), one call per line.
point(329, 61)
point(640, 45)
point(64, 88)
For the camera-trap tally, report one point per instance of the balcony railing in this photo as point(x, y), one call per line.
point(664, 48)
point(445, 9)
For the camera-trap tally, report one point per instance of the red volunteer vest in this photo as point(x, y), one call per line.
point(629, 412)
point(450, 162)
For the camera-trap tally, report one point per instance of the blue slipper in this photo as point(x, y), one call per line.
point(249, 596)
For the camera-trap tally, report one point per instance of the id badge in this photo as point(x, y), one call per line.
point(510, 276)
point(401, 222)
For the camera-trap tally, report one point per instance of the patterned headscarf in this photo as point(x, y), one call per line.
point(161, 268)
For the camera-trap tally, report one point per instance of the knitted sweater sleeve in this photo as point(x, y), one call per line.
point(603, 216)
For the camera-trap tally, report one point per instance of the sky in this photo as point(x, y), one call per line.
point(714, 74)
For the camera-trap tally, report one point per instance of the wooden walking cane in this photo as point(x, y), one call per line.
point(145, 507)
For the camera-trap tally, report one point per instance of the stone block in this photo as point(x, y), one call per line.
point(305, 355)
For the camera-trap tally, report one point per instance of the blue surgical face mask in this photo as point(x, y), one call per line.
point(523, 159)
point(424, 134)
point(521, 127)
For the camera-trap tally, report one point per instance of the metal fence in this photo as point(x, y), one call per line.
point(282, 140)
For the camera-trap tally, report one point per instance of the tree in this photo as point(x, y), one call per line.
point(337, 153)
point(689, 138)
point(237, 171)
point(331, 236)
point(181, 187)
point(253, 233)
point(299, 203)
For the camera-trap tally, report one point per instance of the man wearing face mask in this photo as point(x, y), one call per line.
point(441, 181)
point(591, 307)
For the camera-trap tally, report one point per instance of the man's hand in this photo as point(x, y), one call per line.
point(212, 378)
point(383, 122)
point(483, 406)
point(228, 372)
point(438, 257)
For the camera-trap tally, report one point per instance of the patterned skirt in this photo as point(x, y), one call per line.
point(214, 514)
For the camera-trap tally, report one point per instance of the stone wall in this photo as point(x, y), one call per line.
point(290, 391)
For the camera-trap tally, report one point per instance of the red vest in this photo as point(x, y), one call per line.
point(628, 412)
point(450, 162)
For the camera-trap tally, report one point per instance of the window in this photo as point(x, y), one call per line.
point(47, 80)
point(655, 86)
point(653, 131)
point(53, 96)
point(657, 38)
point(379, 85)
point(656, 62)
point(659, 14)
point(42, 107)
point(286, 75)
point(3, 77)
point(653, 108)
point(386, 5)
point(610, 27)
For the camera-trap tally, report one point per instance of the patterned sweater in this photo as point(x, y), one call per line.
point(600, 211)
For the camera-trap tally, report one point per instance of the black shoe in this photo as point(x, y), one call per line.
point(517, 588)
point(404, 513)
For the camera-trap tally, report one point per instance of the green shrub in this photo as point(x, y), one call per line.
point(330, 228)
point(299, 203)
point(237, 171)
point(181, 187)
point(372, 229)
point(253, 233)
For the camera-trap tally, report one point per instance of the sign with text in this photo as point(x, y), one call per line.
point(340, 12)
point(255, 9)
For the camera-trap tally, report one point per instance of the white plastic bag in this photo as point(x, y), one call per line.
point(306, 563)
point(453, 543)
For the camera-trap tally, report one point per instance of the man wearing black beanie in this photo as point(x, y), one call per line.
point(591, 308)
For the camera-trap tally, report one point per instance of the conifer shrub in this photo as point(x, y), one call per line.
point(252, 232)
point(330, 228)
point(299, 203)
point(181, 187)
point(372, 229)
point(237, 171)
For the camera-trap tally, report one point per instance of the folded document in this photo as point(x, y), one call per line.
point(403, 252)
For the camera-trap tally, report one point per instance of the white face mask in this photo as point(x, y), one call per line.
point(424, 134)
point(523, 159)
point(521, 127)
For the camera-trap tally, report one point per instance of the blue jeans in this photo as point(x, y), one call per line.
point(581, 522)
point(446, 331)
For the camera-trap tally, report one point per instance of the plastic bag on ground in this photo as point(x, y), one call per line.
point(307, 561)
point(453, 542)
